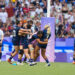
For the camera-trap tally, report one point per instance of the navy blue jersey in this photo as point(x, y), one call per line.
point(45, 35)
point(15, 33)
point(23, 38)
point(16, 37)
point(33, 38)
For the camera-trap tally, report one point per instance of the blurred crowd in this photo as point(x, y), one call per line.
point(64, 12)
point(12, 11)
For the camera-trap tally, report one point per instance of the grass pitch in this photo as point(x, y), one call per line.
point(39, 69)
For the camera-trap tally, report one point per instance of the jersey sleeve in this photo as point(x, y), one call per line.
point(33, 38)
point(46, 35)
point(17, 29)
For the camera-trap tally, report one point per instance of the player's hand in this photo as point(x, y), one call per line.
point(46, 40)
point(29, 30)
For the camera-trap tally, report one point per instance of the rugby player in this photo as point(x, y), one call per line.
point(42, 39)
point(26, 45)
point(16, 40)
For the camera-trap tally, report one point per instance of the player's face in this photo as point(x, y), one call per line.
point(40, 35)
point(20, 24)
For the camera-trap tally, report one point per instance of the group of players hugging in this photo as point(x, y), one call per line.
point(28, 43)
point(24, 41)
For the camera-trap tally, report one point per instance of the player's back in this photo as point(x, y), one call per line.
point(15, 33)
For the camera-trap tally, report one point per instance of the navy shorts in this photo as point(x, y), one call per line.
point(15, 42)
point(25, 45)
point(42, 45)
point(21, 41)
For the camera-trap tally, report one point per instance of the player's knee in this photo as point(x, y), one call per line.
point(20, 51)
point(27, 54)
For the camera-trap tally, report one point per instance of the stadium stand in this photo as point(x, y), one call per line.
point(12, 11)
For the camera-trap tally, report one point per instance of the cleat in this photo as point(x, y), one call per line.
point(9, 61)
point(73, 62)
point(34, 63)
point(18, 63)
point(30, 64)
point(26, 62)
point(21, 64)
point(48, 64)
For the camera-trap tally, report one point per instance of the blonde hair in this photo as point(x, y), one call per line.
point(48, 29)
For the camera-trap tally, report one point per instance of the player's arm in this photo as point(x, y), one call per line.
point(25, 30)
point(41, 42)
point(46, 40)
point(21, 33)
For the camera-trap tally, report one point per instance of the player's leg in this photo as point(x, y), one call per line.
point(0, 51)
point(13, 54)
point(37, 48)
point(26, 52)
point(16, 47)
point(43, 51)
point(21, 43)
point(31, 52)
point(20, 55)
point(16, 51)
point(25, 59)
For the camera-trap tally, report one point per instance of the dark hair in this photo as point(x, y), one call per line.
point(30, 22)
point(39, 32)
point(17, 22)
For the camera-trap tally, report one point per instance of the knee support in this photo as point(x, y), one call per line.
point(20, 51)
point(31, 49)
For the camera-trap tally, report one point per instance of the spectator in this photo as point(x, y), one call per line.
point(3, 15)
point(12, 11)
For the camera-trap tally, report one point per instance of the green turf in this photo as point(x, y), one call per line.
point(39, 69)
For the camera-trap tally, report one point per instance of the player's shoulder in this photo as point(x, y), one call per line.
point(17, 28)
point(35, 36)
point(45, 31)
